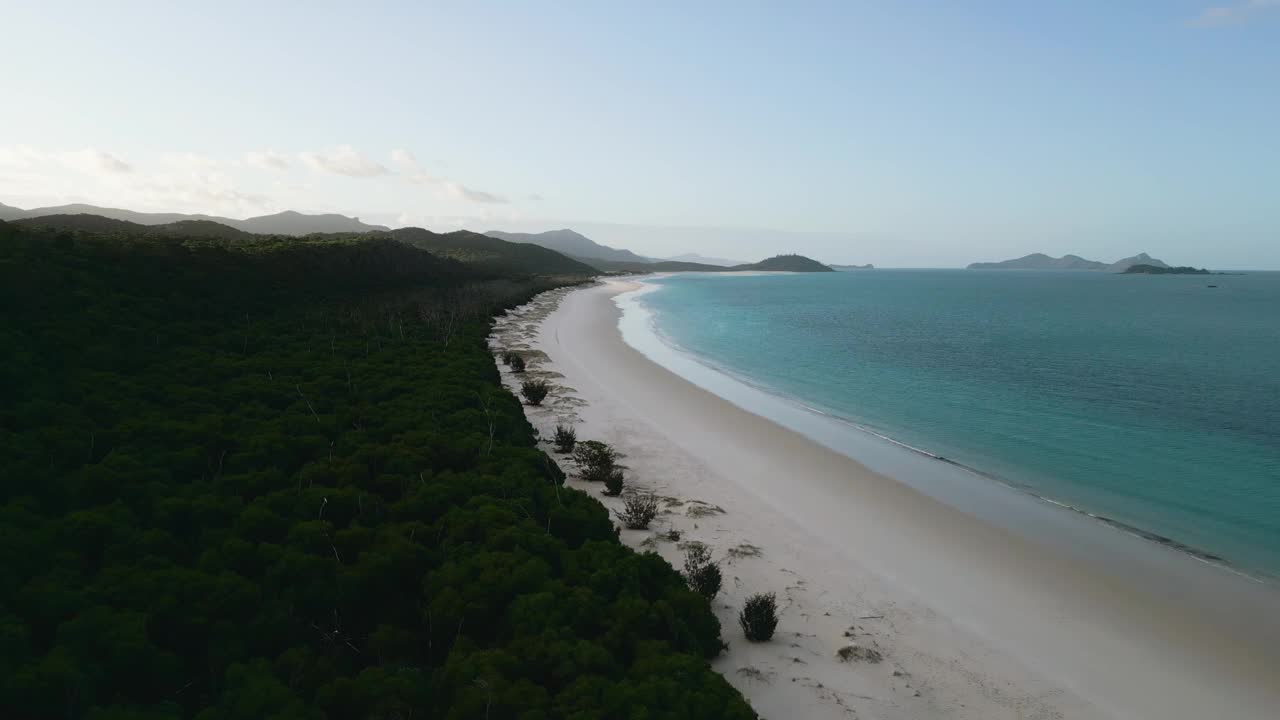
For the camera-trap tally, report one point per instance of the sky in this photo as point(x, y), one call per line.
point(907, 133)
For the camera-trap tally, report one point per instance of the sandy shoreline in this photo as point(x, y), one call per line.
point(972, 620)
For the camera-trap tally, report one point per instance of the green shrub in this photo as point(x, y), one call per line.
point(534, 391)
point(565, 438)
point(596, 460)
point(638, 510)
point(613, 484)
point(517, 364)
point(700, 572)
point(759, 617)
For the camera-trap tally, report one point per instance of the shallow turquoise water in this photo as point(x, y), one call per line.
point(1152, 401)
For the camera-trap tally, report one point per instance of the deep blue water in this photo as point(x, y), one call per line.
point(1150, 400)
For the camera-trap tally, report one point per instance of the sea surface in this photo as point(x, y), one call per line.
point(1150, 402)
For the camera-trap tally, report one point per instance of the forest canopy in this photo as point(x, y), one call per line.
point(279, 478)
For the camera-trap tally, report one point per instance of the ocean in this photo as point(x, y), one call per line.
point(1151, 402)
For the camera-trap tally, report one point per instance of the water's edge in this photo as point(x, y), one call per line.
point(969, 489)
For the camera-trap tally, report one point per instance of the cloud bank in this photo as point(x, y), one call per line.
point(343, 160)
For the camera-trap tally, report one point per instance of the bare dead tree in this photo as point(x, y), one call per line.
point(308, 402)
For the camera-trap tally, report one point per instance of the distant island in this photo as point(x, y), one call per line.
point(868, 266)
point(786, 263)
point(1040, 261)
point(1157, 270)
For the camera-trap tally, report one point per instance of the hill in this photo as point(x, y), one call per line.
point(481, 252)
point(570, 243)
point(492, 253)
point(787, 263)
point(296, 223)
point(98, 224)
point(284, 223)
point(1040, 261)
point(9, 212)
point(1120, 266)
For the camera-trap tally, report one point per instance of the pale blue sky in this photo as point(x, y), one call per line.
point(900, 133)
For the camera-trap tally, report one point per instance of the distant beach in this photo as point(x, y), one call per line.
point(968, 615)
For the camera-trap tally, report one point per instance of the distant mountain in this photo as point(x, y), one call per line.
point(842, 268)
point(1040, 261)
point(480, 251)
point(1120, 266)
point(284, 223)
point(570, 243)
point(704, 260)
point(100, 224)
point(488, 252)
point(9, 212)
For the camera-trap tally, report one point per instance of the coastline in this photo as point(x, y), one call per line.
point(640, 333)
point(973, 619)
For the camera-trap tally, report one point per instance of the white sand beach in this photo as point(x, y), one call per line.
point(968, 619)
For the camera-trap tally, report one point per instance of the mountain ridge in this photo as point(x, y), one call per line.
point(288, 222)
point(571, 243)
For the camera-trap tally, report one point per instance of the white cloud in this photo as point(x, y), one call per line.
point(1239, 12)
point(458, 191)
point(412, 171)
point(452, 189)
point(91, 161)
point(22, 157)
point(344, 160)
point(404, 159)
point(198, 192)
point(267, 160)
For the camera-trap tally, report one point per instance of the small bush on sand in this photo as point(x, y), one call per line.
point(702, 574)
point(565, 438)
point(509, 356)
point(534, 391)
point(759, 617)
point(596, 460)
point(639, 509)
point(517, 364)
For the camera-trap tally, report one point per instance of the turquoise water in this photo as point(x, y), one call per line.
point(1151, 401)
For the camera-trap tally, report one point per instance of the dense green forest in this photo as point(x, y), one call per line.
point(279, 478)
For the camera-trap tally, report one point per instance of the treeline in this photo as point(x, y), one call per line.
point(280, 479)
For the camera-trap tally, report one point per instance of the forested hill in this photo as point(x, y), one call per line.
point(489, 255)
point(280, 479)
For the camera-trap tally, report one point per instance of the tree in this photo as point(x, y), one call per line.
point(759, 617)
